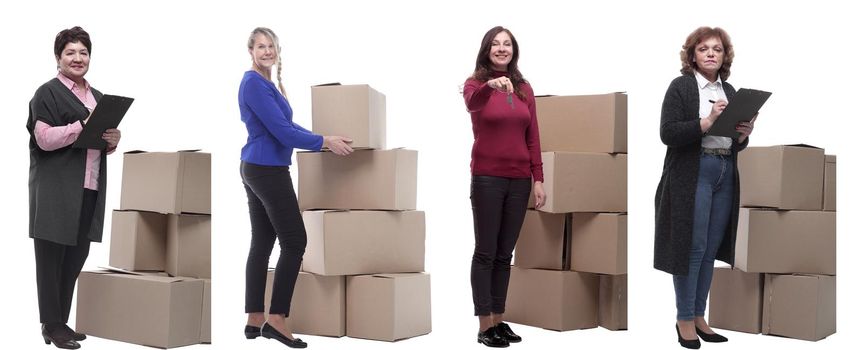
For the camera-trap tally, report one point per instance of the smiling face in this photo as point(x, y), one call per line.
point(501, 51)
point(263, 52)
point(709, 56)
point(74, 61)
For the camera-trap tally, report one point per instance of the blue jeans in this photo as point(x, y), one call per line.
point(712, 206)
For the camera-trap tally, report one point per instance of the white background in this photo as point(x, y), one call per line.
point(183, 61)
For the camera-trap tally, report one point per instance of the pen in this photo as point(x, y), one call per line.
point(711, 101)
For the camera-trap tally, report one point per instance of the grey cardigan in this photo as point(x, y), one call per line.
point(674, 198)
point(57, 177)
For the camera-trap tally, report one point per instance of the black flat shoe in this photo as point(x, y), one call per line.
point(75, 335)
point(506, 332)
point(269, 332)
point(489, 337)
point(59, 337)
point(251, 332)
point(710, 338)
point(687, 343)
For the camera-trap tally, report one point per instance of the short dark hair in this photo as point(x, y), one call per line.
point(484, 71)
point(696, 37)
point(71, 35)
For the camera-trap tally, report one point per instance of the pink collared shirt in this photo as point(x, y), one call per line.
point(50, 138)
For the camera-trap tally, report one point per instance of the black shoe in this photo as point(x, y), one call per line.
point(58, 336)
point(269, 332)
point(505, 332)
point(251, 332)
point(489, 337)
point(686, 343)
point(710, 338)
point(75, 335)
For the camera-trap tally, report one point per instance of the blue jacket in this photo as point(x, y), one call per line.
point(272, 134)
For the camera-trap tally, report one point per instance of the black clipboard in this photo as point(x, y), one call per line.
point(745, 105)
point(107, 115)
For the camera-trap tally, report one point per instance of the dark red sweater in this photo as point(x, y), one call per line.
point(505, 139)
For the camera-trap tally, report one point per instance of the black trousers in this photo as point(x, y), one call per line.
point(274, 213)
point(58, 267)
point(499, 206)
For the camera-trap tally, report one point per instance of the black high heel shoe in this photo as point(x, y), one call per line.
point(710, 338)
point(506, 332)
point(687, 343)
point(75, 335)
point(269, 332)
point(251, 332)
point(58, 336)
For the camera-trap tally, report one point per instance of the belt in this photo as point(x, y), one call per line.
point(717, 151)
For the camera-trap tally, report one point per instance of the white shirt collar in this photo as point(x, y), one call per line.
point(702, 82)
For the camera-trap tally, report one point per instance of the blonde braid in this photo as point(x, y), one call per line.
point(278, 74)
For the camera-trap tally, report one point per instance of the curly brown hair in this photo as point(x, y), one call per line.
point(484, 71)
point(686, 55)
point(71, 35)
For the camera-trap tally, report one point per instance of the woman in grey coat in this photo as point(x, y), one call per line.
point(697, 201)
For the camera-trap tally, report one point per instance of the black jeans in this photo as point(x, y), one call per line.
point(58, 267)
point(499, 206)
point(274, 213)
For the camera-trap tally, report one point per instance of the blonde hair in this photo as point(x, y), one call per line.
point(274, 38)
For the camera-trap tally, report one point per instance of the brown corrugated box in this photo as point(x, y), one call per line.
point(782, 177)
point(613, 302)
point(354, 111)
point(543, 241)
point(145, 309)
point(829, 183)
point(166, 182)
point(317, 306)
point(366, 179)
point(188, 246)
point(364, 242)
point(138, 240)
point(736, 300)
point(599, 243)
point(584, 182)
point(590, 123)
point(206, 313)
point(388, 306)
point(774, 241)
point(558, 300)
point(799, 306)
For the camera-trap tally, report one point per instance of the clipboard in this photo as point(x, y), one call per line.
point(107, 115)
point(745, 105)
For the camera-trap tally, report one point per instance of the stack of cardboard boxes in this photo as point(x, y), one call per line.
point(158, 293)
point(783, 282)
point(570, 259)
point(362, 273)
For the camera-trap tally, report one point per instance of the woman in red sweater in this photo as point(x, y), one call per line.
point(506, 164)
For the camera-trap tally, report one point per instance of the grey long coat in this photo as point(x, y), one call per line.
point(57, 177)
point(674, 198)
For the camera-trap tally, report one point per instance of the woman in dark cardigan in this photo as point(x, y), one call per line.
point(67, 185)
point(697, 201)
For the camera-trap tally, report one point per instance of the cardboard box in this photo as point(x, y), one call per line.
point(166, 182)
point(599, 243)
point(317, 306)
point(613, 302)
point(829, 183)
point(206, 313)
point(558, 300)
point(188, 247)
point(592, 123)
point(388, 306)
point(543, 241)
point(782, 177)
point(354, 111)
point(366, 179)
point(773, 241)
point(364, 242)
point(138, 240)
point(584, 182)
point(147, 309)
point(799, 306)
point(736, 300)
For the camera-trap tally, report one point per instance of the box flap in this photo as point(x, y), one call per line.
point(327, 84)
point(802, 145)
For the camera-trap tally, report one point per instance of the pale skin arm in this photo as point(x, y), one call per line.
point(539, 193)
point(338, 145)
